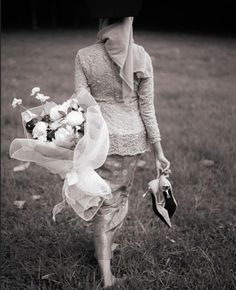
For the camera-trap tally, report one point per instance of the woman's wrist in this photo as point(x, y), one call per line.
point(158, 151)
point(161, 162)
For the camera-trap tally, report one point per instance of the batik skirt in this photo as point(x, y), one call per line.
point(118, 171)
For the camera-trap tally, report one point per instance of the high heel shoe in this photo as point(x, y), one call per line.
point(166, 188)
point(159, 210)
point(164, 209)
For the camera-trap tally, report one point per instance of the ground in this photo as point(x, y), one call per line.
point(195, 88)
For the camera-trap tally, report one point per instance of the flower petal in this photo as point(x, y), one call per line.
point(19, 203)
point(41, 97)
point(27, 116)
point(35, 90)
point(16, 102)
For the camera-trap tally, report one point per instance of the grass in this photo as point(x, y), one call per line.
point(195, 85)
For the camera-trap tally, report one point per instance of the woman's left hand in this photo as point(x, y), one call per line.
point(164, 163)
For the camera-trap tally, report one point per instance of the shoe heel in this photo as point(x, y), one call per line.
point(161, 212)
point(145, 193)
point(170, 202)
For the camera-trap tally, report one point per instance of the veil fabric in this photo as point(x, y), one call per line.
point(84, 190)
point(130, 58)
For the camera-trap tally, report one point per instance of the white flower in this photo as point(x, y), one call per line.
point(65, 106)
point(16, 102)
point(58, 111)
point(40, 131)
point(64, 138)
point(48, 106)
point(42, 138)
point(35, 90)
point(63, 122)
point(54, 113)
point(70, 129)
point(74, 118)
point(41, 97)
point(74, 104)
point(54, 125)
point(27, 116)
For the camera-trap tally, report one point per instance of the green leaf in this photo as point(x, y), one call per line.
point(62, 113)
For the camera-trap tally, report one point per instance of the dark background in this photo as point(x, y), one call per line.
point(200, 16)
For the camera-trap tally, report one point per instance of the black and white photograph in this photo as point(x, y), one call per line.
point(118, 145)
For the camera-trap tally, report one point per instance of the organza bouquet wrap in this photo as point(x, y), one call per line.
point(83, 189)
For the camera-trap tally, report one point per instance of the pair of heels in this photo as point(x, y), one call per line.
point(165, 208)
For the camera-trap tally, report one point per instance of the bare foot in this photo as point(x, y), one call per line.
point(113, 281)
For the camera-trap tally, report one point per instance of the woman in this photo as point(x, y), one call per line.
point(119, 75)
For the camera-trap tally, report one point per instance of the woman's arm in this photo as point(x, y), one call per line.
point(80, 77)
point(162, 164)
point(147, 110)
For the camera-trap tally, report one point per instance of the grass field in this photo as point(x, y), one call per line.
point(195, 85)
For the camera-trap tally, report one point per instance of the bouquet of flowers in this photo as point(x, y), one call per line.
point(62, 124)
point(70, 139)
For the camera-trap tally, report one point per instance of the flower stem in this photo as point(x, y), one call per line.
point(43, 104)
point(23, 107)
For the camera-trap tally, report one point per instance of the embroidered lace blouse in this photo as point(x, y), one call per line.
point(133, 126)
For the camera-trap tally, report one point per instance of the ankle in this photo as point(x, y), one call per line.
point(105, 270)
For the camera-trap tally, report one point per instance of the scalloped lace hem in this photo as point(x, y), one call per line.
point(127, 152)
point(130, 144)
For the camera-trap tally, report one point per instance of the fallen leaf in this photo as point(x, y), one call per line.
point(171, 240)
point(47, 276)
point(114, 246)
point(21, 167)
point(207, 162)
point(167, 261)
point(36, 196)
point(19, 203)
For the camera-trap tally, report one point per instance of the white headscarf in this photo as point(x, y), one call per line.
point(119, 44)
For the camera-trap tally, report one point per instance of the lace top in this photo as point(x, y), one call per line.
point(133, 126)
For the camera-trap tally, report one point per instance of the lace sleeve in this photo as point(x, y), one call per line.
point(147, 109)
point(80, 77)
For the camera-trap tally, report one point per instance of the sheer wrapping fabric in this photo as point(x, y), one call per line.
point(84, 190)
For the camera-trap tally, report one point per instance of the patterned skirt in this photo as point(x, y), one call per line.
point(118, 171)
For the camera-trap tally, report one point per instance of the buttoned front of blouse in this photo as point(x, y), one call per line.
point(132, 126)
